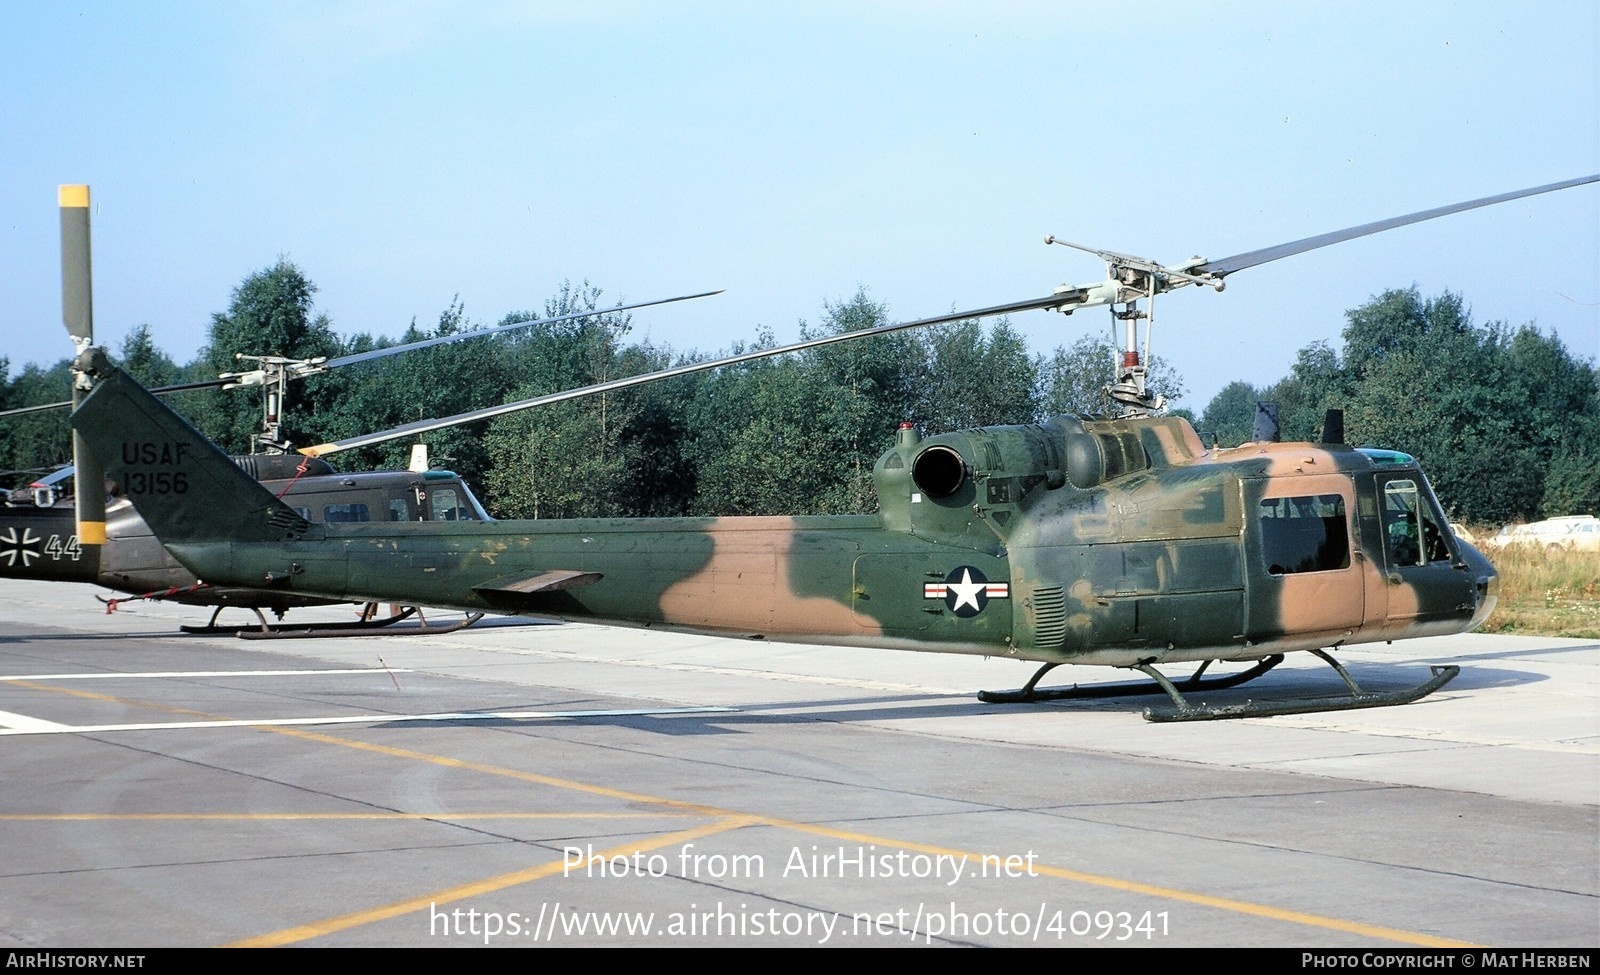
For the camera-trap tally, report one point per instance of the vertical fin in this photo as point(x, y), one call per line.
point(180, 483)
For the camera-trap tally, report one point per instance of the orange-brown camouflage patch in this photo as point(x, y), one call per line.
point(1329, 601)
point(746, 586)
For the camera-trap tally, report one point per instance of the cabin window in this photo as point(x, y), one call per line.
point(1304, 534)
point(1411, 528)
point(345, 512)
point(399, 510)
point(447, 506)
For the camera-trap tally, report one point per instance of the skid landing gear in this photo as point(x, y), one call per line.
point(368, 625)
point(1030, 692)
point(1182, 709)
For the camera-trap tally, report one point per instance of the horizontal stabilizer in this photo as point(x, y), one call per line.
point(540, 592)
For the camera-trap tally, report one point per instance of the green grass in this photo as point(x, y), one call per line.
point(1546, 594)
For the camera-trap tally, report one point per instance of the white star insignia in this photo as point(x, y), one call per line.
point(967, 591)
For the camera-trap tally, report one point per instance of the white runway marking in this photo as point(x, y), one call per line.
point(206, 673)
point(20, 725)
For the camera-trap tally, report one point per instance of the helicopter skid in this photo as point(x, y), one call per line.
point(1184, 710)
point(316, 631)
point(1029, 693)
point(266, 631)
point(366, 626)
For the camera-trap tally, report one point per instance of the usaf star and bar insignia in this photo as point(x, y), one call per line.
point(966, 591)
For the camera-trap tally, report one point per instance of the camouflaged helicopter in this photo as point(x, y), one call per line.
point(39, 540)
point(1120, 542)
point(111, 546)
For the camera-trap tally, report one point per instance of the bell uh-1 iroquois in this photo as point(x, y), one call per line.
point(38, 539)
point(1122, 542)
point(110, 545)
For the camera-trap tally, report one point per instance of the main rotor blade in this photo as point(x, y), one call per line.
point(162, 391)
point(39, 408)
point(345, 360)
point(1239, 262)
point(427, 426)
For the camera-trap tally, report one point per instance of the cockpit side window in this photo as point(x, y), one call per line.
point(1412, 530)
point(446, 505)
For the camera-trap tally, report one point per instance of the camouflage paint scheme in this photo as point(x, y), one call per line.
point(1095, 542)
point(42, 542)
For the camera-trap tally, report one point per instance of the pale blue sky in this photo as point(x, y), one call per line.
point(404, 153)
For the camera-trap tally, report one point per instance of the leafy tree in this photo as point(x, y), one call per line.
point(1403, 321)
point(140, 358)
point(1572, 486)
point(270, 314)
point(561, 462)
point(861, 391)
point(1073, 379)
point(1563, 419)
point(1489, 411)
point(660, 478)
point(1460, 431)
point(768, 439)
point(971, 379)
point(1230, 416)
point(429, 383)
point(800, 434)
point(571, 458)
point(37, 440)
point(1316, 383)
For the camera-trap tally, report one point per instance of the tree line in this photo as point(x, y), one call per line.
point(1504, 420)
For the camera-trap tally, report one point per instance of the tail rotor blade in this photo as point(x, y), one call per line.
point(77, 312)
point(77, 298)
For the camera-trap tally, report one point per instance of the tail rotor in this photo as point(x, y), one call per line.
point(77, 312)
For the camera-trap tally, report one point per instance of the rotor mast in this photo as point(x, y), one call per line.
point(273, 377)
point(1129, 280)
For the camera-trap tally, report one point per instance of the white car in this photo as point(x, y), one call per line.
point(1573, 533)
